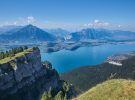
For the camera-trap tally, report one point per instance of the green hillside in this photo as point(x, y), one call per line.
point(119, 89)
point(84, 78)
point(14, 53)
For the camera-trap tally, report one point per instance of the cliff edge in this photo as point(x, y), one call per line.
point(26, 78)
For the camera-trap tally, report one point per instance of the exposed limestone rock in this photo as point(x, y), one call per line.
point(26, 78)
point(28, 71)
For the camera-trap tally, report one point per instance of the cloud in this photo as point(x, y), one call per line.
point(68, 26)
point(97, 24)
point(30, 19)
point(119, 26)
point(96, 21)
point(15, 23)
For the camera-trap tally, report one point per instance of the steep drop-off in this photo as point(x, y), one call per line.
point(26, 78)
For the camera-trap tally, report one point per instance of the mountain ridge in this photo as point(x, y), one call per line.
point(91, 33)
point(28, 33)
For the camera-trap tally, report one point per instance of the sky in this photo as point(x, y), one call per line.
point(69, 14)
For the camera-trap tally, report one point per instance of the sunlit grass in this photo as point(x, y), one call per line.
point(20, 54)
point(119, 89)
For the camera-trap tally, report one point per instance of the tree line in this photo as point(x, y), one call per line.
point(12, 52)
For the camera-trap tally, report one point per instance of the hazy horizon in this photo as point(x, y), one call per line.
point(69, 14)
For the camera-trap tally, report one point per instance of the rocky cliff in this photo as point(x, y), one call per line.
point(26, 78)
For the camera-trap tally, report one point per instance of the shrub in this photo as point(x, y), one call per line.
point(25, 47)
point(35, 48)
point(12, 52)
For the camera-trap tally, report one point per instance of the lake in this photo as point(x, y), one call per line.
point(66, 60)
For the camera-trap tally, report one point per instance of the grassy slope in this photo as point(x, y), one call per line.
point(7, 59)
point(84, 78)
point(111, 90)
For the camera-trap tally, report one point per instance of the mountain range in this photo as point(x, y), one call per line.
point(104, 34)
point(30, 33)
point(27, 33)
point(5, 29)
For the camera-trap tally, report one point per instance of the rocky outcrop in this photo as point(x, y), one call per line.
point(26, 78)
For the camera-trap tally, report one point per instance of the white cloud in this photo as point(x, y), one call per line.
point(97, 24)
point(69, 26)
point(30, 19)
point(119, 26)
point(15, 23)
point(96, 21)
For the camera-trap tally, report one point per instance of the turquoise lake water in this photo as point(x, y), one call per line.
point(66, 60)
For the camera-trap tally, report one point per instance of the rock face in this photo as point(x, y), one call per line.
point(26, 78)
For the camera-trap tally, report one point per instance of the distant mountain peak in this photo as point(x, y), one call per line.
point(30, 26)
point(29, 33)
point(100, 34)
